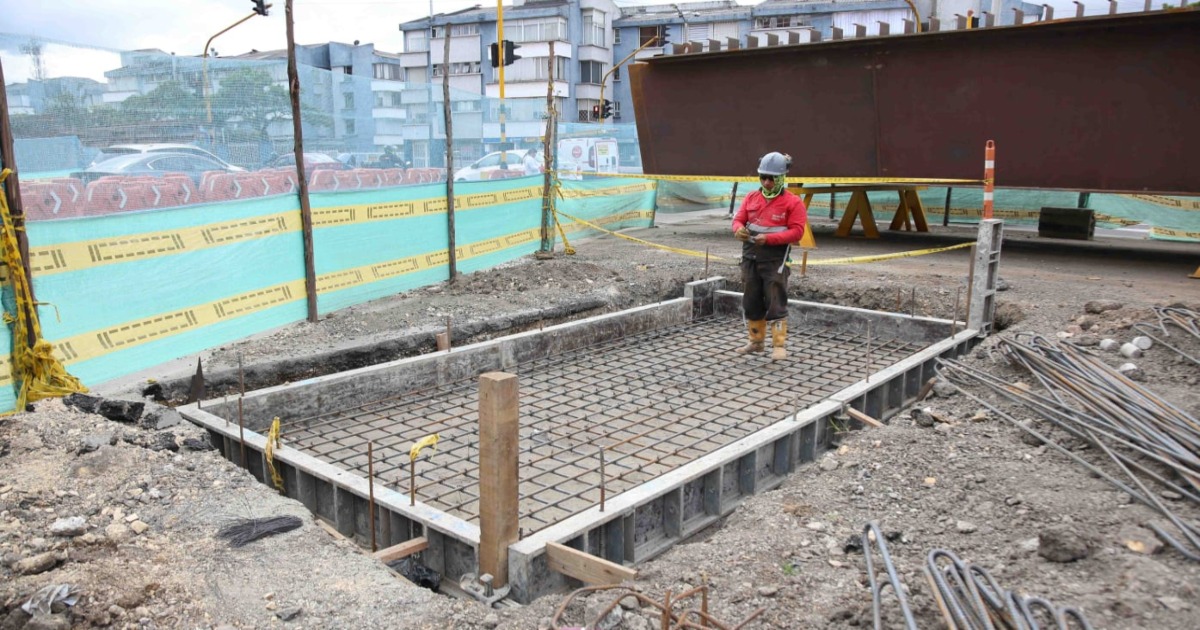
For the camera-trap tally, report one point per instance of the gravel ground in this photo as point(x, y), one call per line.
point(127, 512)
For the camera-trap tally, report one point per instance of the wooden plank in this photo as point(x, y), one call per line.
point(863, 418)
point(497, 472)
point(585, 567)
point(402, 550)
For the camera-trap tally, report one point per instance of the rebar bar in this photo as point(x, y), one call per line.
point(1133, 428)
point(873, 540)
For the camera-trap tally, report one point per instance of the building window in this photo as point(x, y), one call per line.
point(591, 72)
point(349, 126)
point(534, 69)
point(462, 30)
point(616, 110)
point(388, 71)
point(415, 41)
point(348, 100)
point(616, 74)
point(460, 107)
point(616, 36)
point(646, 33)
point(387, 99)
point(588, 109)
point(593, 27)
point(544, 30)
point(777, 21)
point(466, 67)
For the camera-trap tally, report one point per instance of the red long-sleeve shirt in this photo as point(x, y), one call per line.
point(786, 210)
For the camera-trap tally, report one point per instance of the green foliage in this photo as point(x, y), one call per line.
point(790, 569)
point(249, 98)
point(169, 101)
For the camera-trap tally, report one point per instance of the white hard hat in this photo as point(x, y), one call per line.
point(774, 163)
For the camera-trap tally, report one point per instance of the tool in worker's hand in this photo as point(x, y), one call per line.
point(742, 234)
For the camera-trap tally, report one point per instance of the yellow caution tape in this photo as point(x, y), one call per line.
point(827, 261)
point(843, 181)
point(41, 375)
point(429, 441)
point(272, 444)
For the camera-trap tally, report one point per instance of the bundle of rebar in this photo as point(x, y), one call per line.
point(967, 595)
point(1147, 439)
point(1169, 318)
point(243, 532)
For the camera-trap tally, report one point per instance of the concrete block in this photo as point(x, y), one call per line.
point(1131, 371)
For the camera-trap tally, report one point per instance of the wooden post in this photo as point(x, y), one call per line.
point(449, 161)
point(498, 461)
point(306, 224)
point(371, 492)
point(548, 152)
point(12, 190)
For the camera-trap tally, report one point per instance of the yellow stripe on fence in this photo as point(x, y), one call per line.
point(96, 343)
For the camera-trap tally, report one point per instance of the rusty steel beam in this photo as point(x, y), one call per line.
point(1096, 104)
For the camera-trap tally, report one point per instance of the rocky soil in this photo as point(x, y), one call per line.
point(122, 515)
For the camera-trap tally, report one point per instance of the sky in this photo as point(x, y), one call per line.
point(183, 26)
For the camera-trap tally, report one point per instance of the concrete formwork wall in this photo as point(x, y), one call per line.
point(636, 525)
point(345, 390)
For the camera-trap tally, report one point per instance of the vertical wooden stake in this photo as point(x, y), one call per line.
point(448, 111)
point(868, 352)
point(371, 491)
point(706, 261)
point(954, 317)
point(449, 341)
point(498, 462)
point(306, 223)
point(666, 614)
point(970, 285)
point(602, 490)
point(804, 264)
point(913, 304)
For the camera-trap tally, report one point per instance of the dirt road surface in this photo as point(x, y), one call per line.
point(127, 515)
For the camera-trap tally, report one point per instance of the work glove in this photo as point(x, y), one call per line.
point(742, 234)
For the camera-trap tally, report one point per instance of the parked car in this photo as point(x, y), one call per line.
point(155, 165)
point(160, 147)
point(484, 166)
point(312, 162)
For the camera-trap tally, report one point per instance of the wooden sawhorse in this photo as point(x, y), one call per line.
point(909, 210)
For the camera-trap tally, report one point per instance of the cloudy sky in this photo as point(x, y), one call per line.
point(183, 26)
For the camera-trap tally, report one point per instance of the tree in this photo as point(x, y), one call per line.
point(169, 101)
point(250, 97)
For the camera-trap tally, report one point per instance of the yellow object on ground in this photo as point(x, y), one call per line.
point(41, 375)
point(429, 441)
point(272, 444)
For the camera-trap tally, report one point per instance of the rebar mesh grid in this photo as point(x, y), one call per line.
point(652, 402)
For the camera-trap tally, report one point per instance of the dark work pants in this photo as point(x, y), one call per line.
point(765, 293)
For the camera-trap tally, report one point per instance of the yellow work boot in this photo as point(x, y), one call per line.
point(779, 340)
point(758, 334)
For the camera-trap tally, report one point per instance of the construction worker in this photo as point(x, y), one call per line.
point(769, 221)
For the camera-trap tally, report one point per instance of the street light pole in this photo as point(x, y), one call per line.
point(604, 79)
point(207, 95)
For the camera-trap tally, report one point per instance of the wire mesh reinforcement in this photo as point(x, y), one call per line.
point(651, 402)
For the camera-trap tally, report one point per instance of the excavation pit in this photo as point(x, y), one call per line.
point(687, 427)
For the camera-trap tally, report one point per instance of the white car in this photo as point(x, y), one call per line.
point(483, 168)
point(159, 147)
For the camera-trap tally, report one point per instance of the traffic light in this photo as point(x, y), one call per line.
point(510, 54)
point(606, 110)
point(595, 112)
point(494, 54)
point(260, 6)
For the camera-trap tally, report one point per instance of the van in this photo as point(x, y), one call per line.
point(588, 155)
